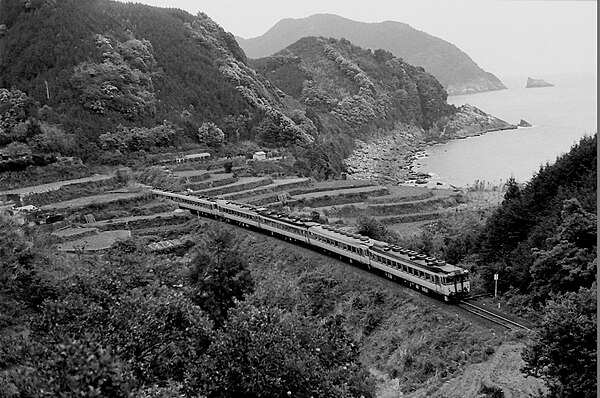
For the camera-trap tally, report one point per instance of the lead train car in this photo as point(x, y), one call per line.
point(417, 270)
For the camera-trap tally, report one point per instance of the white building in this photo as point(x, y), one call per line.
point(260, 155)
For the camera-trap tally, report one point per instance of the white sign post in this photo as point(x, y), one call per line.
point(495, 285)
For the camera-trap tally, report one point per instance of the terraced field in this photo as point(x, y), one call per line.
point(401, 208)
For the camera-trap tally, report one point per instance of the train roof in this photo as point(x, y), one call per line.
point(243, 207)
point(339, 234)
point(287, 218)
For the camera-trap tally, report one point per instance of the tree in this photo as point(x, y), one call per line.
point(211, 135)
point(513, 191)
point(82, 367)
point(270, 352)
point(117, 84)
point(368, 226)
point(219, 275)
point(570, 261)
point(563, 352)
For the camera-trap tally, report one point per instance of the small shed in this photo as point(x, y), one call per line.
point(260, 155)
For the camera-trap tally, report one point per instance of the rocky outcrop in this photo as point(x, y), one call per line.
point(469, 121)
point(531, 83)
point(523, 123)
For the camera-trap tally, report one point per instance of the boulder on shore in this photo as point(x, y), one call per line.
point(537, 83)
point(523, 123)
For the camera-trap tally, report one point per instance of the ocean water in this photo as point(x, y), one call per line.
point(560, 116)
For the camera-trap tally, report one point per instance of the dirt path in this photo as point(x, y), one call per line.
point(502, 370)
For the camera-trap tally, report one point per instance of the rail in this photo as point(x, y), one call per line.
point(490, 316)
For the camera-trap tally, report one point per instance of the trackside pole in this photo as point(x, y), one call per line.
point(495, 285)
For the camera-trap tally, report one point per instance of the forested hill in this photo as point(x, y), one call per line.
point(159, 60)
point(89, 67)
point(457, 72)
point(542, 239)
point(362, 88)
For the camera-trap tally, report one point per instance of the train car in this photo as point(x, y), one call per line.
point(292, 228)
point(353, 247)
point(242, 214)
point(419, 271)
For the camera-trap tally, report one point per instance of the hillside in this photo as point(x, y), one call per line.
point(129, 70)
point(457, 72)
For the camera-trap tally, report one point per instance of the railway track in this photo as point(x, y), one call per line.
point(490, 316)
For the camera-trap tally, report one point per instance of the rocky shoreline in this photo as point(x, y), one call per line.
point(393, 157)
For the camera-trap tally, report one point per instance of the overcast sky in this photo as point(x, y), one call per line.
point(507, 38)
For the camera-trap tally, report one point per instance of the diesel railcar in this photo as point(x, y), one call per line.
point(424, 273)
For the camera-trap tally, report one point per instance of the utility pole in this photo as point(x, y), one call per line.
point(495, 285)
point(47, 92)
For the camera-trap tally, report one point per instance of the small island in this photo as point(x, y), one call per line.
point(524, 123)
point(537, 83)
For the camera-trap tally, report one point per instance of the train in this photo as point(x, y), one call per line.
point(426, 274)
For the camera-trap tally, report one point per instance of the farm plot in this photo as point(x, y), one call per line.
point(100, 241)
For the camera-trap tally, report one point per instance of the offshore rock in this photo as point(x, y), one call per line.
point(531, 83)
point(523, 123)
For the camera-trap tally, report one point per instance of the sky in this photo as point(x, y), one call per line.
point(505, 37)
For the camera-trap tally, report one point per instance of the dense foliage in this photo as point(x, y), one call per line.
point(130, 323)
point(542, 238)
point(362, 89)
point(119, 69)
point(565, 348)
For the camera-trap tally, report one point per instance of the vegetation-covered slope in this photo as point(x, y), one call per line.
point(457, 72)
point(353, 93)
point(86, 68)
point(542, 239)
point(358, 86)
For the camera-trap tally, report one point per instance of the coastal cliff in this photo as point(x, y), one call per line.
point(532, 83)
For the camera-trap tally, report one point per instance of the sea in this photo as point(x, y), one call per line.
point(560, 116)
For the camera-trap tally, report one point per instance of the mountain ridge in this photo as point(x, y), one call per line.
point(457, 72)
